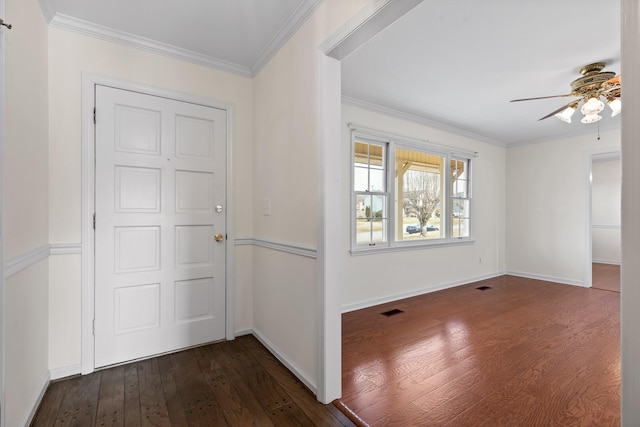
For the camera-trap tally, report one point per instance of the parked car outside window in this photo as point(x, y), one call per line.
point(415, 228)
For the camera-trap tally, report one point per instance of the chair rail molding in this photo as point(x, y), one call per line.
point(290, 248)
point(16, 264)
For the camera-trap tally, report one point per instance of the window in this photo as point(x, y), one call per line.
point(460, 199)
point(408, 194)
point(370, 183)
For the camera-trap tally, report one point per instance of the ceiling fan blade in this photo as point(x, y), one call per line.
point(611, 85)
point(543, 97)
point(556, 111)
point(613, 81)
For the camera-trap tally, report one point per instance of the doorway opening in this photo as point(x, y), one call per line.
point(605, 224)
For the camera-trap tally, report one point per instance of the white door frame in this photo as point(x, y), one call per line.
point(373, 18)
point(588, 168)
point(2, 296)
point(89, 81)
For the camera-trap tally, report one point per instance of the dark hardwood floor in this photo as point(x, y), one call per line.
point(521, 353)
point(605, 277)
point(235, 383)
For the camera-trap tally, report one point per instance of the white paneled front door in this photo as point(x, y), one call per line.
point(159, 225)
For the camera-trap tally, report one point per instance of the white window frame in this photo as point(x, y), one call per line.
point(390, 143)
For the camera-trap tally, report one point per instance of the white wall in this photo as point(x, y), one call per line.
point(605, 211)
point(26, 342)
point(286, 99)
point(286, 87)
point(72, 54)
point(25, 178)
point(375, 278)
point(547, 189)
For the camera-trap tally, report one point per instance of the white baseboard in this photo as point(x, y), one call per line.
point(36, 403)
point(395, 297)
point(547, 278)
point(65, 371)
point(243, 332)
point(606, 261)
point(53, 374)
point(290, 365)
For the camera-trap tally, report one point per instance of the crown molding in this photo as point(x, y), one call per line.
point(290, 27)
point(418, 119)
point(293, 24)
point(48, 10)
point(120, 37)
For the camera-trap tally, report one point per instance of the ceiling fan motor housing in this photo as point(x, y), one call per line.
point(592, 79)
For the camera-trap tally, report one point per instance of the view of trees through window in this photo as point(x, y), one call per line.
point(421, 201)
point(419, 184)
point(425, 196)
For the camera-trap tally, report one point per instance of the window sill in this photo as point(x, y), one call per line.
point(409, 247)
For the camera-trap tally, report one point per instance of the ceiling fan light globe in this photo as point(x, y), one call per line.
point(592, 107)
point(591, 118)
point(565, 115)
point(616, 106)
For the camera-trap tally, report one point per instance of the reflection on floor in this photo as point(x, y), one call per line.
point(521, 352)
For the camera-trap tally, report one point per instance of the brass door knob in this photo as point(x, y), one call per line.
point(219, 237)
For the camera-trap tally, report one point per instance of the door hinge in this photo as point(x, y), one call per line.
point(94, 220)
point(94, 115)
point(93, 327)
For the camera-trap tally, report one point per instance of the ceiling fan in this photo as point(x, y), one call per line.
point(593, 85)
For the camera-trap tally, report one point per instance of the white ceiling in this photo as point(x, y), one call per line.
point(458, 63)
point(238, 36)
point(452, 64)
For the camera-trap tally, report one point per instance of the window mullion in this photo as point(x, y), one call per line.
point(448, 215)
point(391, 189)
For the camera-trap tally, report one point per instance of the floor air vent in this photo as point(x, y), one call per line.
point(483, 288)
point(392, 312)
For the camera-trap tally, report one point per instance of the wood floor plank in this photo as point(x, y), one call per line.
point(516, 354)
point(175, 406)
point(236, 410)
point(111, 398)
point(132, 416)
point(525, 352)
point(233, 383)
point(273, 398)
point(552, 351)
point(51, 402)
point(300, 394)
point(153, 406)
point(79, 407)
point(200, 405)
point(222, 355)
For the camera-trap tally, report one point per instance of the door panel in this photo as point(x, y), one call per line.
point(160, 278)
